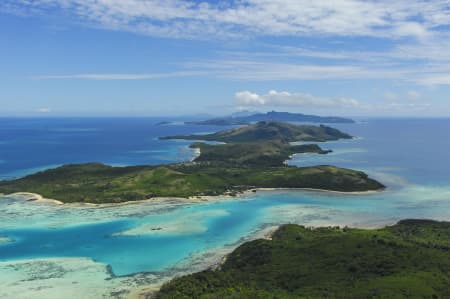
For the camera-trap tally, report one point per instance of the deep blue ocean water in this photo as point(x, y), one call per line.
point(410, 156)
point(416, 149)
point(30, 144)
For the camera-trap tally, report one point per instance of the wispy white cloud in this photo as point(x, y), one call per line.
point(44, 110)
point(418, 51)
point(124, 76)
point(200, 19)
point(390, 96)
point(436, 79)
point(413, 95)
point(399, 107)
point(426, 62)
point(263, 70)
point(268, 70)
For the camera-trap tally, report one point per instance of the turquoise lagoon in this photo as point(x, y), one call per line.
point(94, 252)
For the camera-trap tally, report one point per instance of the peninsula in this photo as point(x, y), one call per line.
point(253, 158)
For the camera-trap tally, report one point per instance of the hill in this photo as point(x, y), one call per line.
point(98, 183)
point(269, 153)
point(270, 131)
point(408, 260)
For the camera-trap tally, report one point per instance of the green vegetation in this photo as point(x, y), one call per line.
point(261, 144)
point(408, 260)
point(271, 116)
point(270, 131)
point(98, 183)
point(272, 153)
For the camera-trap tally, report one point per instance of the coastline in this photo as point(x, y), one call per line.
point(319, 190)
point(38, 198)
point(34, 197)
point(148, 291)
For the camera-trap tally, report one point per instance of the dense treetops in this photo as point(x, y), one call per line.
point(408, 260)
point(98, 183)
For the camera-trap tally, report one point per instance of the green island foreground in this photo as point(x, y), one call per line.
point(408, 260)
point(253, 157)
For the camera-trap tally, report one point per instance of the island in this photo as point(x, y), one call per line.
point(407, 260)
point(253, 158)
point(270, 131)
point(261, 144)
point(270, 116)
point(164, 123)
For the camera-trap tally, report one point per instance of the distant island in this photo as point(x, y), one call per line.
point(408, 260)
point(253, 157)
point(163, 123)
point(271, 116)
point(271, 131)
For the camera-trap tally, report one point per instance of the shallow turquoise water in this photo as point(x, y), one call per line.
point(409, 156)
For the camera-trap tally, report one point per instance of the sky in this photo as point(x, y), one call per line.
point(186, 57)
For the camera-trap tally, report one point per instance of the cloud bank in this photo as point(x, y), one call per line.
point(286, 99)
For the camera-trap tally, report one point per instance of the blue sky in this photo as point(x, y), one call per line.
point(175, 57)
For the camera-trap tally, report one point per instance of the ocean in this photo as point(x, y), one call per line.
point(48, 250)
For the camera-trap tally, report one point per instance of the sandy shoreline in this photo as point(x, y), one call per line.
point(34, 197)
point(37, 198)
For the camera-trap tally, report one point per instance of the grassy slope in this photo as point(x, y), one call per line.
point(408, 260)
point(269, 131)
point(99, 183)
